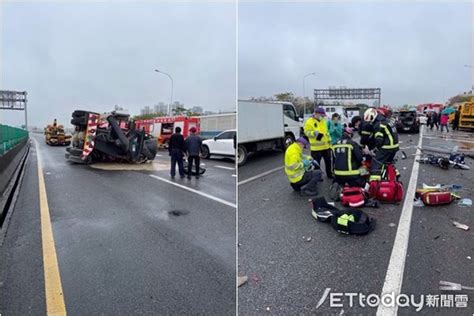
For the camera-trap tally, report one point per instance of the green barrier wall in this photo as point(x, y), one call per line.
point(10, 137)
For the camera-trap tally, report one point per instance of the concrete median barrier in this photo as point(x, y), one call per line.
point(10, 169)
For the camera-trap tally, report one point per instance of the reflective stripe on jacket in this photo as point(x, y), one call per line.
point(294, 167)
point(348, 158)
point(386, 136)
point(312, 129)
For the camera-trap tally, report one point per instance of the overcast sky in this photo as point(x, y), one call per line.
point(414, 52)
point(96, 55)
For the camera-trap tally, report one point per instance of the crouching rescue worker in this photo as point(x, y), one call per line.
point(316, 129)
point(297, 169)
point(386, 140)
point(348, 159)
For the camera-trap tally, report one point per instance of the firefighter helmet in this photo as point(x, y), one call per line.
point(370, 115)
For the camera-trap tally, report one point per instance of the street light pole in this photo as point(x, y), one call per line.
point(304, 94)
point(472, 88)
point(171, 98)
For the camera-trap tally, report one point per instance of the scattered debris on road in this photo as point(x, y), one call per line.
point(465, 202)
point(242, 280)
point(460, 226)
point(451, 286)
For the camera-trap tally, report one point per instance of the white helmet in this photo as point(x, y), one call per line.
point(370, 115)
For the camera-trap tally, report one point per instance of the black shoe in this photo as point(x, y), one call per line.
point(306, 192)
point(182, 176)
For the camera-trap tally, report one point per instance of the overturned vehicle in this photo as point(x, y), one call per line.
point(110, 137)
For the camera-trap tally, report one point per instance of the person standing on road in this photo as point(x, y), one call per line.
point(193, 148)
point(444, 122)
point(316, 129)
point(435, 120)
point(335, 128)
point(177, 148)
point(297, 169)
point(429, 120)
point(457, 115)
point(386, 140)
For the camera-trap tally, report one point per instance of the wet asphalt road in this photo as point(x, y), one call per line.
point(120, 249)
point(288, 275)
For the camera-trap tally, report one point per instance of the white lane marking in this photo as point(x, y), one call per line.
point(396, 267)
point(195, 191)
point(260, 175)
point(224, 167)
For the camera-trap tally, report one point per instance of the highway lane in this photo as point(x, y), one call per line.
point(288, 274)
point(437, 250)
point(126, 242)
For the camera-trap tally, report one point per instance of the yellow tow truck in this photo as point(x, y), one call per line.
point(54, 134)
point(466, 114)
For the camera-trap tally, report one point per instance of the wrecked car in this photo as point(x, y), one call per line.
point(110, 137)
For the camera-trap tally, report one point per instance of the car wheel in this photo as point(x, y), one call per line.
point(206, 154)
point(242, 155)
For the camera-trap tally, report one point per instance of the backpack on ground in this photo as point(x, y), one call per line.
point(350, 221)
point(436, 197)
point(353, 196)
point(388, 189)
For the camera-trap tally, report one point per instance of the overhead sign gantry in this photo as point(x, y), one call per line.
point(14, 100)
point(343, 93)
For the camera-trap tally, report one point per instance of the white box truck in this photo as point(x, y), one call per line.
point(213, 124)
point(265, 125)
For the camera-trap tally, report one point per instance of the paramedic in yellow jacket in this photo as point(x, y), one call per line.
point(298, 169)
point(316, 129)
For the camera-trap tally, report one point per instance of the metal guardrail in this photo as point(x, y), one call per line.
point(10, 137)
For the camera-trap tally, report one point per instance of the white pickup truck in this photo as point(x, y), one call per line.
point(265, 125)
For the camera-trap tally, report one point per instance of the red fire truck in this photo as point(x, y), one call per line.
point(163, 127)
point(423, 108)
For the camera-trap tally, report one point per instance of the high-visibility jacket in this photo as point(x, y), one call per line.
point(385, 132)
point(315, 129)
point(294, 166)
point(348, 158)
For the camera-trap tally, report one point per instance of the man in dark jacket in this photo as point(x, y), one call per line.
point(386, 140)
point(193, 148)
point(435, 121)
point(457, 115)
point(347, 160)
point(177, 148)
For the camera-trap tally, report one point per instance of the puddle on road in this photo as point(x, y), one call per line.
point(149, 166)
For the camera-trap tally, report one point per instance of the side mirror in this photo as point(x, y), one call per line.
point(215, 138)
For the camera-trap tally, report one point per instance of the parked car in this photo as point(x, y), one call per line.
point(221, 145)
point(407, 121)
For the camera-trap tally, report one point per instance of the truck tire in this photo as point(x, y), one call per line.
point(205, 153)
point(79, 113)
point(242, 155)
point(79, 121)
point(288, 140)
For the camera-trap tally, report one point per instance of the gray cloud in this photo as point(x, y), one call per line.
point(95, 55)
point(415, 52)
